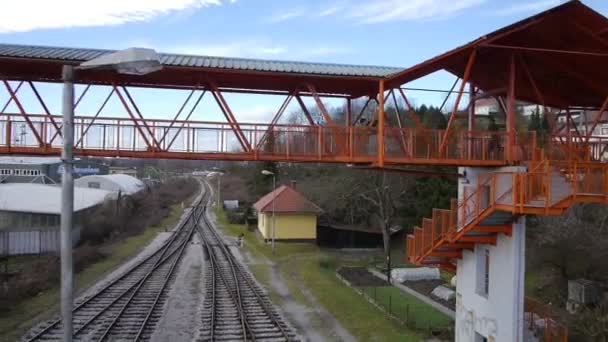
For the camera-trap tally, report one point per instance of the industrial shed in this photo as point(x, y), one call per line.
point(116, 183)
point(43, 170)
point(295, 216)
point(29, 216)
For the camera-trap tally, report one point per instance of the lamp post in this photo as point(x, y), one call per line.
point(270, 173)
point(133, 61)
point(219, 173)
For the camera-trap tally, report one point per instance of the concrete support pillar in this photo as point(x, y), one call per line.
point(490, 279)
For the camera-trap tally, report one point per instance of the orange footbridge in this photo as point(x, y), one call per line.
point(555, 60)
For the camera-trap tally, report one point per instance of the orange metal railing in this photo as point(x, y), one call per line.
point(541, 319)
point(582, 149)
point(550, 187)
point(328, 143)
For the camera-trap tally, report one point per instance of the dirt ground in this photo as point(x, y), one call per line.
point(360, 276)
point(308, 318)
point(425, 287)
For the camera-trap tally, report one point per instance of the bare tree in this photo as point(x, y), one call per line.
point(380, 194)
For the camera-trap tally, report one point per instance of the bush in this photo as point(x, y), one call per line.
point(36, 278)
point(130, 215)
point(236, 217)
point(327, 263)
point(85, 255)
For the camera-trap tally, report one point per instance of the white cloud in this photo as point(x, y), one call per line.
point(288, 15)
point(245, 49)
point(527, 7)
point(331, 10)
point(256, 114)
point(254, 48)
point(321, 51)
point(378, 11)
point(28, 15)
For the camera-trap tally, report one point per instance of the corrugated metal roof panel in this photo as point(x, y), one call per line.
point(77, 55)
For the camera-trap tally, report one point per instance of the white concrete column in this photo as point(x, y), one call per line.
point(492, 308)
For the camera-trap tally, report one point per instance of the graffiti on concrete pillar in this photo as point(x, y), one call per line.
point(468, 322)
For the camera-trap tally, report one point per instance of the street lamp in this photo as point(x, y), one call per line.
point(270, 173)
point(132, 61)
point(219, 173)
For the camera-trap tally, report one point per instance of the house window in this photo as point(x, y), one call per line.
point(483, 271)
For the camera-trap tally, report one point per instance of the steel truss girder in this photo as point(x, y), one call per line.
point(23, 112)
point(225, 108)
point(465, 79)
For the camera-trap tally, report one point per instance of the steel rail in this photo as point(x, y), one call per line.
point(236, 297)
point(241, 279)
point(179, 251)
point(159, 257)
point(253, 288)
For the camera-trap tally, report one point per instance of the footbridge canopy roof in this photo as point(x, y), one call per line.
point(44, 63)
point(561, 52)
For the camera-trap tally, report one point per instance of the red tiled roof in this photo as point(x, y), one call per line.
point(287, 200)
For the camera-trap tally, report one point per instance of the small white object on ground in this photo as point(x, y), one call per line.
point(443, 293)
point(453, 281)
point(413, 274)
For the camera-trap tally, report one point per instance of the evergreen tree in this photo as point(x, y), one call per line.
point(534, 123)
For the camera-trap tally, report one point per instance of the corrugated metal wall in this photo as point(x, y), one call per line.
point(32, 241)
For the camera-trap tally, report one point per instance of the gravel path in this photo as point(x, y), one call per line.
point(180, 317)
point(308, 319)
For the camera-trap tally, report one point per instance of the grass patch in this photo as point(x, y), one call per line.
point(358, 316)
point(15, 321)
point(531, 283)
point(408, 308)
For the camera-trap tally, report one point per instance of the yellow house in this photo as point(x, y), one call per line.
point(295, 217)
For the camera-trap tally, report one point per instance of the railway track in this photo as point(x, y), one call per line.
point(235, 307)
point(128, 307)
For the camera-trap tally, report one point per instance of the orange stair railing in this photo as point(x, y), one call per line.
point(548, 188)
point(550, 327)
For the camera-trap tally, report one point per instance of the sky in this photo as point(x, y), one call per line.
point(397, 33)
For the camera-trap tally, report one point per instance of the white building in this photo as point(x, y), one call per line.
point(487, 106)
point(116, 183)
point(490, 279)
point(29, 216)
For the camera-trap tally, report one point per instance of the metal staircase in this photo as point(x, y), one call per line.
point(489, 208)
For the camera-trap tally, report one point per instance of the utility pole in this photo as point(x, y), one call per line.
point(219, 187)
point(67, 203)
